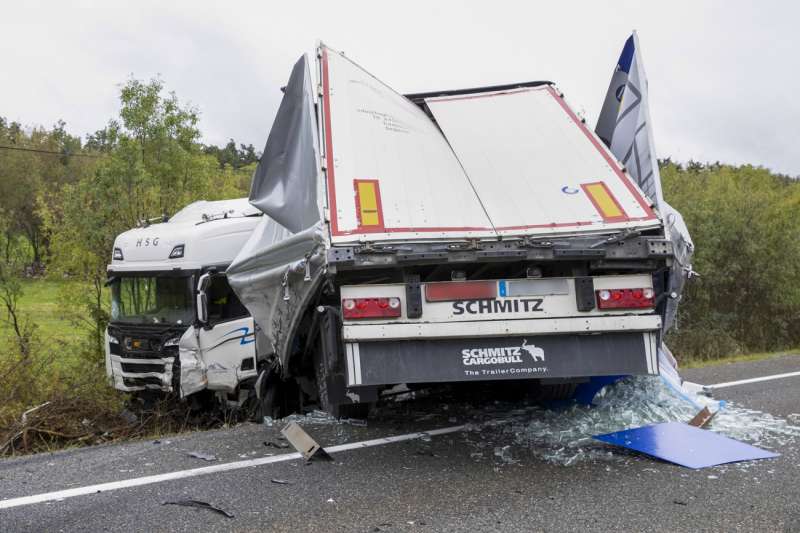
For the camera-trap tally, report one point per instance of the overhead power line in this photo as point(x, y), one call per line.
point(39, 151)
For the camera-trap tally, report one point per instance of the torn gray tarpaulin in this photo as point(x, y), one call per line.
point(201, 505)
point(203, 456)
point(303, 442)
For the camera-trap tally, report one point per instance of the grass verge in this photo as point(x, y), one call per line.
point(701, 363)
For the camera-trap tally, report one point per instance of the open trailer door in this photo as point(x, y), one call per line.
point(390, 172)
point(499, 163)
point(535, 166)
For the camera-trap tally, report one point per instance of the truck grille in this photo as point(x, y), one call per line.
point(139, 368)
point(139, 382)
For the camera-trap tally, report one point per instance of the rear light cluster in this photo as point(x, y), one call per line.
point(371, 307)
point(625, 298)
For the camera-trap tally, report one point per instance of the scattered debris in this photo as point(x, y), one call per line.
point(203, 456)
point(129, 417)
point(200, 505)
point(357, 422)
point(564, 436)
point(275, 444)
point(303, 442)
point(684, 445)
point(425, 452)
point(703, 418)
point(504, 453)
point(281, 481)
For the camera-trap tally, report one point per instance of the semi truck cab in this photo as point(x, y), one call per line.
point(176, 325)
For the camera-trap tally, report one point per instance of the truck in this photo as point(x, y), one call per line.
point(164, 339)
point(456, 236)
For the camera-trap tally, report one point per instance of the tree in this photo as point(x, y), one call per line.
point(150, 163)
point(745, 222)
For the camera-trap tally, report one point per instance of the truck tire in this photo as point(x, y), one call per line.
point(267, 404)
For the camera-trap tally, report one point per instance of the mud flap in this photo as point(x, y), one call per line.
point(330, 368)
point(482, 359)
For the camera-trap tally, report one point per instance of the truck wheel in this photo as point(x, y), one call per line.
point(337, 410)
point(267, 405)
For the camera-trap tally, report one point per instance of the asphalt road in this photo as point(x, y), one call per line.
point(440, 485)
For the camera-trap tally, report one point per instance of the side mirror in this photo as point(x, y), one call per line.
point(202, 300)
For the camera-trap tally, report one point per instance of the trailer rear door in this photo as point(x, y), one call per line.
point(390, 173)
point(535, 166)
point(503, 163)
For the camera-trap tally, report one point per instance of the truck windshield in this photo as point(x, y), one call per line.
point(151, 300)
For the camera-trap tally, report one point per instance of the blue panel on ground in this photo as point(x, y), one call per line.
point(685, 445)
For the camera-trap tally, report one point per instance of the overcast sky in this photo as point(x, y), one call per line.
point(724, 76)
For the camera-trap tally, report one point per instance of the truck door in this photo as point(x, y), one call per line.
point(227, 341)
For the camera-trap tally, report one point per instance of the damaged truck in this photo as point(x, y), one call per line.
point(453, 236)
point(176, 326)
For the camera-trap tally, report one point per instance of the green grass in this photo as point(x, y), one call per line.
point(700, 363)
point(40, 304)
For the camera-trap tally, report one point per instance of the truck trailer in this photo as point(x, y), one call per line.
point(165, 338)
point(454, 236)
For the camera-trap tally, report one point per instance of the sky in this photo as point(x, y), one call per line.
point(723, 75)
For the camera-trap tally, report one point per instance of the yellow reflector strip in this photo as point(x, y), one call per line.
point(604, 201)
point(368, 203)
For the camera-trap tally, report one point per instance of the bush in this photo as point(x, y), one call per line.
point(745, 223)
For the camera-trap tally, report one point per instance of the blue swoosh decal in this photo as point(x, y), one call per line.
point(245, 333)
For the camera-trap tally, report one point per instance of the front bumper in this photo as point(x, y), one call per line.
point(142, 374)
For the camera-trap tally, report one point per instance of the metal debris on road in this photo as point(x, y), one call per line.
point(703, 418)
point(685, 445)
point(200, 505)
point(281, 481)
point(203, 456)
point(303, 442)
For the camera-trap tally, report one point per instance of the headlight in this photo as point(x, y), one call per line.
point(173, 341)
point(176, 252)
point(117, 256)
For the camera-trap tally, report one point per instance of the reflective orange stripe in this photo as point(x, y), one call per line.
point(605, 202)
point(368, 205)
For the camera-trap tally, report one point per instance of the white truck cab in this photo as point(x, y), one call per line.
point(176, 325)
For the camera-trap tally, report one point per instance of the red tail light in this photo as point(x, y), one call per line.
point(447, 291)
point(625, 298)
point(371, 307)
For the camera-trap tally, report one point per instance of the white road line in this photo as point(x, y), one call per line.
point(224, 467)
point(751, 380)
